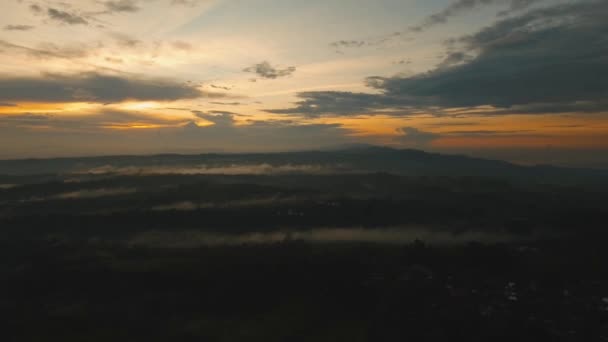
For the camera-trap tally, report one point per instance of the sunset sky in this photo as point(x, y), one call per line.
point(521, 80)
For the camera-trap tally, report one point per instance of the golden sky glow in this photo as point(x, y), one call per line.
point(207, 75)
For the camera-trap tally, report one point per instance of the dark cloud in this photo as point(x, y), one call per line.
point(518, 5)
point(93, 87)
point(457, 7)
point(265, 70)
point(4, 104)
point(462, 6)
point(454, 58)
point(66, 17)
point(551, 56)
point(548, 60)
point(121, 6)
point(18, 27)
point(317, 103)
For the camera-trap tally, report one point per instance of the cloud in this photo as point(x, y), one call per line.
point(317, 103)
point(86, 121)
point(125, 40)
point(66, 17)
point(218, 118)
point(74, 53)
point(347, 44)
point(265, 70)
point(24, 119)
point(462, 6)
point(454, 58)
point(403, 61)
point(453, 123)
point(215, 86)
point(121, 6)
point(180, 45)
point(457, 7)
point(490, 133)
point(547, 56)
point(413, 137)
point(227, 103)
point(518, 5)
point(114, 60)
point(190, 3)
point(36, 9)
point(18, 27)
point(94, 87)
point(549, 60)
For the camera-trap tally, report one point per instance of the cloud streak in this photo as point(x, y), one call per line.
point(121, 6)
point(462, 6)
point(189, 3)
point(94, 87)
point(96, 120)
point(18, 27)
point(66, 17)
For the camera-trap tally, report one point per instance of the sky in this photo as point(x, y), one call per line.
point(520, 80)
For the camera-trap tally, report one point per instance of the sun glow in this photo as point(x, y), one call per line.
point(138, 105)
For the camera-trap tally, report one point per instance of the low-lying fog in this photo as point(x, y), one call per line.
point(203, 169)
point(193, 238)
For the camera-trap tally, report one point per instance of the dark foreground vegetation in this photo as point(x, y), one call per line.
point(296, 291)
point(301, 253)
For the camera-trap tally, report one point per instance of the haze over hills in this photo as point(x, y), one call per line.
point(354, 159)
